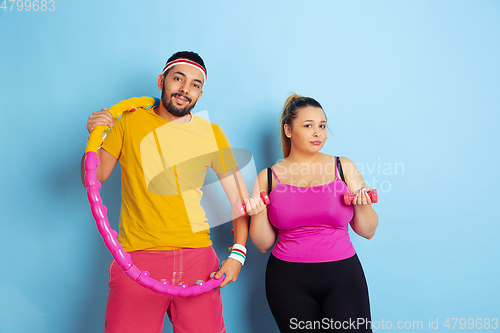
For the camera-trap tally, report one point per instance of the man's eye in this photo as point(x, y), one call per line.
point(196, 86)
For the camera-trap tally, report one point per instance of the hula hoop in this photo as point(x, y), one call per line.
point(99, 212)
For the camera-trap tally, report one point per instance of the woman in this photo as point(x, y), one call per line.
point(314, 280)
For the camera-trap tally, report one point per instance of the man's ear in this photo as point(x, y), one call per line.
point(161, 78)
point(201, 93)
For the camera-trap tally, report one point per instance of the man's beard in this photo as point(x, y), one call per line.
point(174, 110)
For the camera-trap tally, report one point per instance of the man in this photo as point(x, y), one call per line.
point(164, 154)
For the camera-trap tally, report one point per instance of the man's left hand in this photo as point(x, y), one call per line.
point(232, 269)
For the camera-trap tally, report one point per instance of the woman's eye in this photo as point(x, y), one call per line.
point(177, 78)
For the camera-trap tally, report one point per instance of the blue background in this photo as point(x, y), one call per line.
point(412, 94)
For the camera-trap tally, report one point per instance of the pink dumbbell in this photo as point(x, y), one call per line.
point(348, 196)
point(242, 209)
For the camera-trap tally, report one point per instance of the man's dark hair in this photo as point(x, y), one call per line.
point(186, 55)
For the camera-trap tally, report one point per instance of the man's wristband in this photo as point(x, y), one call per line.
point(239, 253)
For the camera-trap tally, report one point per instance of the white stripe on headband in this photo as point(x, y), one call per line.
point(186, 62)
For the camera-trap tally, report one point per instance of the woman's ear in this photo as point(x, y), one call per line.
point(288, 130)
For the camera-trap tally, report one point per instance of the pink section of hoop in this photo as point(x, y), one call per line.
point(121, 257)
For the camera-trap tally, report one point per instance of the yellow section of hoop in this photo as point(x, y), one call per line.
point(95, 137)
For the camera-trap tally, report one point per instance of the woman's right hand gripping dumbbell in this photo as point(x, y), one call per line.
point(254, 205)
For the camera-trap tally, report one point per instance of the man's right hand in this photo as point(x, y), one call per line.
point(106, 161)
point(102, 117)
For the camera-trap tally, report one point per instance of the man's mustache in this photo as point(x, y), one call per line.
point(182, 96)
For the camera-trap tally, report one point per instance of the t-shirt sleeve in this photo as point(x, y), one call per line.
point(225, 160)
point(113, 142)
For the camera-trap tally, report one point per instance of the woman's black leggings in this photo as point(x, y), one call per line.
point(318, 297)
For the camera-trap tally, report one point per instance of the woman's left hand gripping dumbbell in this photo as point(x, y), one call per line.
point(363, 197)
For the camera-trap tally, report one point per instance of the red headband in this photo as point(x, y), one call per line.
point(185, 62)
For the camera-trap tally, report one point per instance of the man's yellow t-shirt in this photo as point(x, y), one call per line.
point(163, 166)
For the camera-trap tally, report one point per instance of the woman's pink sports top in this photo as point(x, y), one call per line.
point(312, 222)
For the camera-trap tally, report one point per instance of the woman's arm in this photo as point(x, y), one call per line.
point(365, 220)
point(262, 232)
